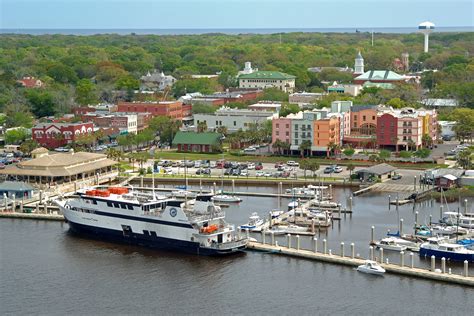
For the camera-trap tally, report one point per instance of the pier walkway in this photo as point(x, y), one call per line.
point(351, 260)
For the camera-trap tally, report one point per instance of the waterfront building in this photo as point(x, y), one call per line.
point(233, 119)
point(171, 109)
point(400, 129)
point(302, 130)
point(16, 189)
point(381, 172)
point(268, 79)
point(206, 142)
point(59, 168)
point(327, 132)
point(156, 81)
point(53, 135)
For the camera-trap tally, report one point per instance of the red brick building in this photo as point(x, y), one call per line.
point(386, 130)
point(172, 109)
point(53, 135)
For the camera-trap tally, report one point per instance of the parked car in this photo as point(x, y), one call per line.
point(337, 169)
point(205, 163)
point(227, 172)
point(251, 166)
point(396, 176)
point(167, 170)
point(227, 164)
point(250, 149)
point(212, 164)
point(258, 166)
point(259, 174)
point(244, 173)
point(267, 174)
point(197, 164)
point(329, 169)
point(189, 163)
point(292, 163)
point(58, 149)
point(278, 164)
point(2, 166)
point(236, 172)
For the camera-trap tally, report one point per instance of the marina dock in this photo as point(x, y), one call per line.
point(350, 260)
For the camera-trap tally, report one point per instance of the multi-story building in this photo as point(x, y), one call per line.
point(326, 132)
point(126, 123)
point(399, 129)
point(156, 81)
point(52, 135)
point(233, 119)
point(302, 130)
point(171, 109)
point(281, 130)
point(302, 98)
point(268, 79)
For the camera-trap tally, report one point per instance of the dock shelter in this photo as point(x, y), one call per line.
point(381, 171)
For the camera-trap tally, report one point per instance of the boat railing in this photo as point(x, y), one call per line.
point(230, 244)
point(196, 218)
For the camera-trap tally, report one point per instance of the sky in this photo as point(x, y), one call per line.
point(204, 14)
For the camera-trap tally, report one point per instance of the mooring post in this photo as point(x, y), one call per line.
point(381, 255)
point(465, 206)
point(372, 231)
point(41, 197)
point(325, 246)
point(440, 211)
point(414, 183)
point(431, 219)
point(449, 271)
point(443, 265)
point(273, 238)
point(315, 239)
point(141, 181)
point(21, 207)
point(263, 237)
point(371, 253)
point(342, 249)
point(330, 252)
point(400, 229)
point(233, 186)
point(466, 268)
point(412, 261)
point(350, 204)
point(402, 258)
point(75, 187)
point(247, 232)
point(45, 208)
point(396, 203)
point(433, 263)
point(289, 240)
point(214, 188)
point(352, 250)
point(37, 208)
point(298, 242)
point(416, 218)
point(389, 202)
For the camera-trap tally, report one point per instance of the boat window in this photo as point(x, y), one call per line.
point(124, 206)
point(94, 202)
point(109, 204)
point(130, 207)
point(146, 232)
point(153, 234)
point(116, 205)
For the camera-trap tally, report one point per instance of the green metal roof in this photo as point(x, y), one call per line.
point(380, 75)
point(193, 138)
point(383, 85)
point(276, 75)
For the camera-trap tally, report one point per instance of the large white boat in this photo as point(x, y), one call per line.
point(139, 218)
point(183, 194)
point(391, 243)
point(226, 198)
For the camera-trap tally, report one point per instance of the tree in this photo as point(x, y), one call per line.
point(278, 145)
point(28, 146)
point(16, 136)
point(351, 168)
point(305, 145)
point(62, 73)
point(287, 109)
point(86, 92)
point(42, 102)
point(305, 165)
point(227, 80)
point(23, 119)
point(465, 158)
point(202, 127)
point(222, 130)
point(349, 152)
point(199, 108)
point(313, 166)
point(332, 149)
point(384, 155)
point(274, 94)
point(464, 127)
point(396, 103)
point(426, 141)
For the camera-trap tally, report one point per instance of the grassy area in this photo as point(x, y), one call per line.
point(173, 155)
point(454, 194)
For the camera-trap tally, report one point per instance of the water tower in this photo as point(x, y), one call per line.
point(426, 28)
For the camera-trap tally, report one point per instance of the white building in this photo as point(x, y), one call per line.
point(156, 81)
point(359, 65)
point(247, 69)
point(233, 119)
point(268, 79)
point(303, 98)
point(265, 106)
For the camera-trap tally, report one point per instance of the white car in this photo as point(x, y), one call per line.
point(267, 174)
point(244, 173)
point(250, 149)
point(168, 171)
point(251, 166)
point(259, 174)
point(292, 163)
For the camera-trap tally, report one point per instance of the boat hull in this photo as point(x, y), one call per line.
point(157, 242)
point(425, 252)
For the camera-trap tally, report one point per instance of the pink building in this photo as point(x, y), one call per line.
point(281, 129)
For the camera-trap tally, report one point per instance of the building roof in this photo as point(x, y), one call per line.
point(379, 169)
point(193, 138)
point(450, 177)
point(59, 165)
point(39, 150)
point(440, 102)
point(386, 75)
point(276, 75)
point(15, 186)
point(382, 85)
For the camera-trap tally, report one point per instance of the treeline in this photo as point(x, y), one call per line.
point(88, 69)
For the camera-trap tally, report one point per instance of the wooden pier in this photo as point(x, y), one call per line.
point(35, 216)
point(404, 268)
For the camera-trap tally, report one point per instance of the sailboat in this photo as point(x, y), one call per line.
point(183, 192)
point(222, 197)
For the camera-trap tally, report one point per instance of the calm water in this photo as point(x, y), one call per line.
point(47, 270)
point(397, 30)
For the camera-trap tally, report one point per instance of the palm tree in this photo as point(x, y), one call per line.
point(202, 127)
point(351, 168)
point(278, 145)
point(313, 166)
point(286, 147)
point(331, 148)
point(305, 145)
point(305, 165)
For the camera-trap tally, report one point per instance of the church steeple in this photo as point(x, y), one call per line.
point(359, 64)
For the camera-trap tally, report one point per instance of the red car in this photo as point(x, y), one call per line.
point(258, 166)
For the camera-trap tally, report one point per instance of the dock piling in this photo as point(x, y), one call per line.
point(381, 255)
point(372, 231)
point(21, 207)
point(289, 240)
point(443, 265)
point(141, 181)
point(465, 206)
point(352, 250)
point(37, 208)
point(431, 219)
point(389, 201)
point(412, 261)
point(298, 242)
point(440, 211)
point(214, 187)
point(466, 268)
point(248, 233)
point(402, 259)
point(400, 229)
point(330, 252)
point(273, 238)
point(371, 250)
point(263, 237)
point(315, 247)
point(416, 218)
point(433, 263)
point(325, 246)
point(342, 249)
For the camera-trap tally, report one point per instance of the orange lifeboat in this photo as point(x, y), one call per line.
point(210, 229)
point(118, 190)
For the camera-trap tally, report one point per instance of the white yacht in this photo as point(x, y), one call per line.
point(440, 247)
point(371, 267)
point(391, 243)
point(255, 223)
point(139, 218)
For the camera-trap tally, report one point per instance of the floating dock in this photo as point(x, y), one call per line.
point(351, 260)
point(36, 216)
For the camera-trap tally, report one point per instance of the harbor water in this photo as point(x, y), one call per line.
point(47, 270)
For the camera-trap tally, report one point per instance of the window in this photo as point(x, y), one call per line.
point(287, 133)
point(235, 123)
point(146, 232)
point(296, 142)
point(123, 205)
point(116, 205)
point(296, 134)
point(277, 125)
point(153, 234)
point(109, 204)
point(296, 126)
point(130, 207)
point(363, 118)
point(217, 123)
point(373, 117)
point(277, 133)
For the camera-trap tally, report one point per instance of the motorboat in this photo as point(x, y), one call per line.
point(445, 230)
point(371, 267)
point(391, 243)
point(293, 204)
point(440, 247)
point(183, 194)
point(255, 223)
point(466, 222)
point(325, 204)
point(226, 198)
point(276, 213)
point(302, 193)
point(287, 229)
point(308, 217)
